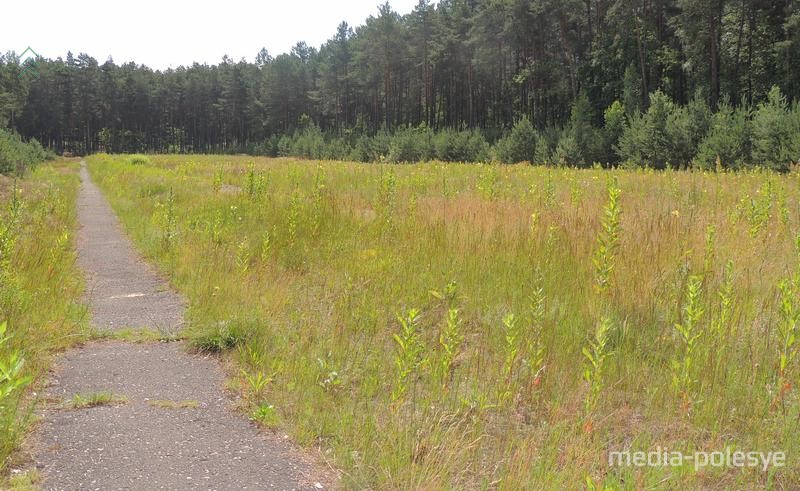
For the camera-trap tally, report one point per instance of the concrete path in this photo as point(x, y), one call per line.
point(173, 427)
point(122, 290)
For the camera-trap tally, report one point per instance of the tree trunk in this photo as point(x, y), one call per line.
point(713, 54)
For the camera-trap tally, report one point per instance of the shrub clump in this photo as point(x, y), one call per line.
point(519, 145)
point(727, 141)
point(461, 146)
point(17, 154)
point(411, 145)
point(776, 133)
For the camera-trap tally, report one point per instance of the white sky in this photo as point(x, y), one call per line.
point(164, 33)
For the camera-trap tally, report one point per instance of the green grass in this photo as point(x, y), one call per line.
point(94, 399)
point(131, 335)
point(169, 404)
point(40, 288)
point(473, 326)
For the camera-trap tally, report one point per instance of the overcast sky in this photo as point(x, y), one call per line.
point(166, 33)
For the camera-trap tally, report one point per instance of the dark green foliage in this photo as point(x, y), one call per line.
point(581, 145)
point(546, 143)
point(795, 145)
point(728, 139)
point(519, 145)
point(686, 127)
point(17, 155)
point(543, 153)
point(374, 149)
point(645, 142)
point(308, 142)
point(411, 145)
point(613, 127)
point(461, 146)
point(404, 145)
point(568, 151)
point(775, 131)
point(632, 90)
point(666, 135)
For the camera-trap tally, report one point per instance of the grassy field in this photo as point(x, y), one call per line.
point(40, 289)
point(473, 326)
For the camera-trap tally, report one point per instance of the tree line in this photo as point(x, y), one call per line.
point(465, 73)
